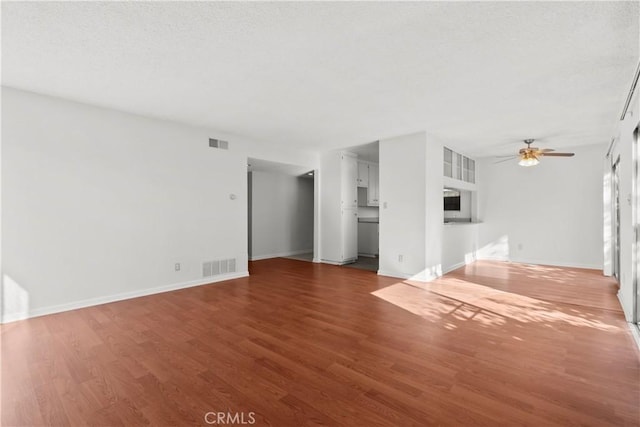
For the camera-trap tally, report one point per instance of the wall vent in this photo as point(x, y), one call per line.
point(218, 143)
point(206, 269)
point(218, 267)
point(215, 270)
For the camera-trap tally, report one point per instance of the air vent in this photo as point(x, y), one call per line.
point(218, 267)
point(206, 269)
point(215, 269)
point(218, 143)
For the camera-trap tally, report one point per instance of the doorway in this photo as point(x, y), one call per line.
point(281, 210)
point(368, 209)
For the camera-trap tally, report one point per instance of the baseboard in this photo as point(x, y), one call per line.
point(635, 333)
point(455, 267)
point(394, 274)
point(118, 297)
point(558, 264)
point(327, 261)
point(367, 255)
point(280, 254)
point(423, 278)
point(543, 262)
point(627, 316)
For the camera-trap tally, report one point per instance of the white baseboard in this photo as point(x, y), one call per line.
point(492, 258)
point(280, 254)
point(43, 311)
point(424, 278)
point(628, 316)
point(542, 262)
point(327, 261)
point(395, 274)
point(558, 264)
point(635, 333)
point(455, 267)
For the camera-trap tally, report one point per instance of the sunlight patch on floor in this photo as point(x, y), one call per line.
point(462, 300)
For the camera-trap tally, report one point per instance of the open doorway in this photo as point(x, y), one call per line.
point(281, 210)
point(368, 184)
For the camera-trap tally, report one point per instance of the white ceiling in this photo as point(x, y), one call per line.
point(481, 75)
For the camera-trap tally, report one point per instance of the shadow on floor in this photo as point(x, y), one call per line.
point(363, 263)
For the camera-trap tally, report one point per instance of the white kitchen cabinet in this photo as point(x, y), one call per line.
point(363, 174)
point(350, 235)
point(373, 191)
point(338, 210)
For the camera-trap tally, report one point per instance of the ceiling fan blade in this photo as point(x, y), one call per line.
point(510, 156)
point(557, 154)
point(546, 150)
point(506, 160)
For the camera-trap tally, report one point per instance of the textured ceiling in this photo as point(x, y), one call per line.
point(480, 75)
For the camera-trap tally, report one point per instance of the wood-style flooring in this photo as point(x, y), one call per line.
point(298, 343)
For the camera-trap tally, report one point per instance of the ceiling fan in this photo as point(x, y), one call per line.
point(530, 156)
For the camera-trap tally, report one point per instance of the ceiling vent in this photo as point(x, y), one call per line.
point(218, 143)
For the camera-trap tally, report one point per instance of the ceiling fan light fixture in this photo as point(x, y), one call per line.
point(528, 159)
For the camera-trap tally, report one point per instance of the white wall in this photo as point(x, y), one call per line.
point(623, 148)
point(547, 214)
point(459, 245)
point(411, 207)
point(402, 205)
point(434, 209)
point(330, 185)
point(99, 205)
point(281, 215)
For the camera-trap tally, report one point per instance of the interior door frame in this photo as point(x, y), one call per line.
point(615, 218)
point(635, 194)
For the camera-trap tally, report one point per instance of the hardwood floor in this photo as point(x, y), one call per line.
point(307, 344)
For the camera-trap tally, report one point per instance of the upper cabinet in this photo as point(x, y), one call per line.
point(373, 191)
point(368, 177)
point(363, 174)
point(459, 167)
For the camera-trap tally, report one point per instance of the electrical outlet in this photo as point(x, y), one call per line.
point(177, 266)
point(400, 258)
point(519, 246)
